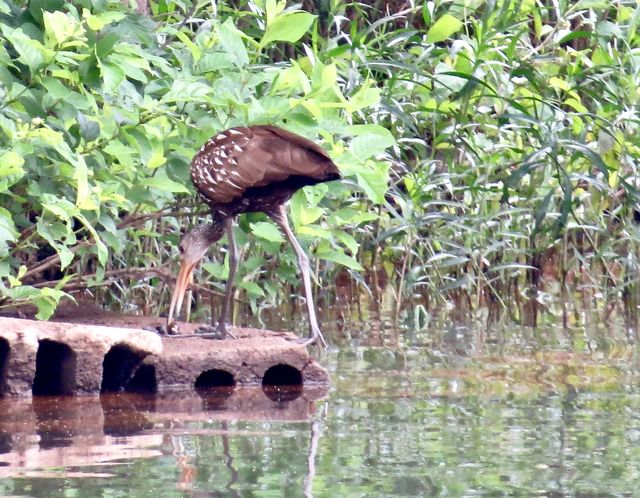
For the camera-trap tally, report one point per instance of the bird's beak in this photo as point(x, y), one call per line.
point(183, 281)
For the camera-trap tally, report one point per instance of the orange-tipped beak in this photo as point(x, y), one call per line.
point(184, 279)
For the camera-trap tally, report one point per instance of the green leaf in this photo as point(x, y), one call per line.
point(340, 258)
point(215, 61)
point(231, 41)
point(183, 90)
point(8, 232)
point(370, 140)
point(443, 28)
point(47, 137)
point(366, 96)
point(11, 164)
point(31, 52)
point(98, 21)
point(252, 288)
point(375, 182)
point(47, 301)
point(83, 198)
point(89, 129)
point(162, 182)
point(112, 76)
point(60, 28)
point(288, 27)
point(267, 231)
point(348, 240)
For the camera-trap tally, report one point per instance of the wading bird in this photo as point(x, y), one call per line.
point(249, 169)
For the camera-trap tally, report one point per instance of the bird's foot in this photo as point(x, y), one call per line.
point(211, 332)
point(172, 329)
point(316, 338)
point(304, 341)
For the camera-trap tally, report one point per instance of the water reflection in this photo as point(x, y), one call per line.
point(454, 411)
point(69, 432)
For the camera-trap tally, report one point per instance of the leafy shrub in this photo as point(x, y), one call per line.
point(101, 111)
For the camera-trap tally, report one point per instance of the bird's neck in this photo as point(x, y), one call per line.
point(211, 232)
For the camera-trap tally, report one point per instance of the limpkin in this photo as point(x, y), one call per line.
point(250, 169)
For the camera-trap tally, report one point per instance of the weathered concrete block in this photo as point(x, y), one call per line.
point(70, 358)
point(65, 358)
point(248, 359)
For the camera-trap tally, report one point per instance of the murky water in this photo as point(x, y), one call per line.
point(456, 412)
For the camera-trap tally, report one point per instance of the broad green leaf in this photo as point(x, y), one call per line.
point(288, 27)
point(8, 232)
point(61, 28)
point(267, 231)
point(98, 21)
point(101, 249)
point(340, 258)
point(348, 240)
point(4, 8)
point(83, 198)
point(214, 62)
point(375, 182)
point(350, 216)
point(310, 215)
point(252, 288)
point(112, 76)
point(370, 140)
point(366, 96)
point(301, 211)
point(46, 302)
point(443, 28)
point(187, 90)
point(47, 136)
point(273, 8)
point(232, 43)
point(162, 182)
point(216, 270)
point(314, 231)
point(31, 52)
point(11, 164)
point(196, 51)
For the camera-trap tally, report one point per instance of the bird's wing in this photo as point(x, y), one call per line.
point(238, 159)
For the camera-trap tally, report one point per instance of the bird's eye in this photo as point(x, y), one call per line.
point(181, 249)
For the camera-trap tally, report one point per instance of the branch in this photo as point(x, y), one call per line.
point(129, 221)
point(80, 281)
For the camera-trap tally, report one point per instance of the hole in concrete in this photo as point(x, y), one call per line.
point(143, 380)
point(215, 387)
point(55, 369)
point(282, 375)
point(4, 361)
point(282, 383)
point(119, 367)
point(215, 378)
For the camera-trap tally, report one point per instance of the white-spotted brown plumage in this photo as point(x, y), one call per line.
point(234, 161)
point(247, 169)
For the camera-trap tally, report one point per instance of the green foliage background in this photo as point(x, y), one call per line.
point(490, 149)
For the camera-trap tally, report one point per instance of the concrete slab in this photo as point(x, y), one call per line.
point(75, 358)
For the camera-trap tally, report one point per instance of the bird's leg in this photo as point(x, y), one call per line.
point(221, 331)
point(280, 217)
point(227, 305)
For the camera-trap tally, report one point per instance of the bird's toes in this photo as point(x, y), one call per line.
point(211, 332)
point(309, 341)
point(162, 329)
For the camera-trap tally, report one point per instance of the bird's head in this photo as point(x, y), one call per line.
point(193, 246)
